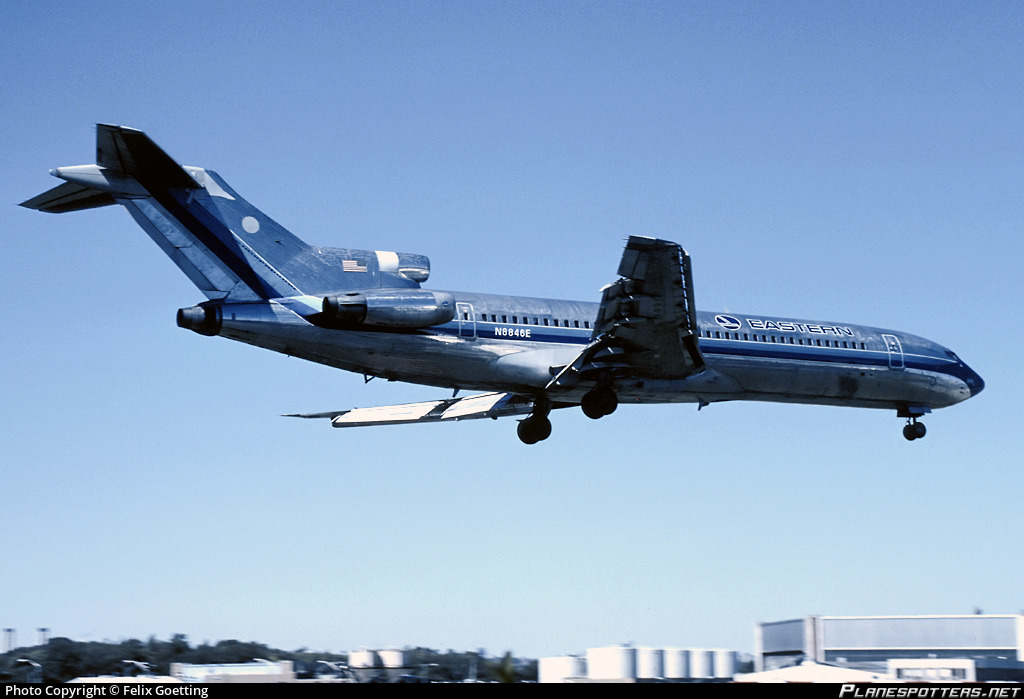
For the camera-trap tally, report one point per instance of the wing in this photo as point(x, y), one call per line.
point(647, 325)
point(492, 405)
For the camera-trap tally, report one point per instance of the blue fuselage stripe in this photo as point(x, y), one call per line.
point(711, 348)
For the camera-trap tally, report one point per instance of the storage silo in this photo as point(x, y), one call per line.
point(677, 663)
point(392, 657)
point(611, 663)
point(724, 663)
point(701, 665)
point(362, 658)
point(650, 663)
point(560, 668)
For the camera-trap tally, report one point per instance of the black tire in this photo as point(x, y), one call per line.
point(591, 406)
point(599, 402)
point(534, 429)
point(525, 432)
point(543, 428)
point(610, 401)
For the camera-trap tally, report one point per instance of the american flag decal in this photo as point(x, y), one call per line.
point(352, 266)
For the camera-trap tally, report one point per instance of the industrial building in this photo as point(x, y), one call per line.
point(976, 647)
point(230, 673)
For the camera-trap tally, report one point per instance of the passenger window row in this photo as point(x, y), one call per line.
point(533, 320)
point(783, 339)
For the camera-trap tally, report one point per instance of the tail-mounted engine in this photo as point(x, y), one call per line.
point(205, 320)
point(388, 308)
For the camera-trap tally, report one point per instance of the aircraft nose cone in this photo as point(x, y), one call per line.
point(974, 381)
point(976, 384)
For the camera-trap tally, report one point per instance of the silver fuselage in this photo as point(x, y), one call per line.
point(510, 344)
point(365, 311)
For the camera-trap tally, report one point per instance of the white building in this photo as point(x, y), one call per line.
point(282, 671)
point(994, 643)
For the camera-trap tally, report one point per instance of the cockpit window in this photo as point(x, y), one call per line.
point(952, 355)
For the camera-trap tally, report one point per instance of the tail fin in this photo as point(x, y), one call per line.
point(230, 249)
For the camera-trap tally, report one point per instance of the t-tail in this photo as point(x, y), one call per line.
point(230, 249)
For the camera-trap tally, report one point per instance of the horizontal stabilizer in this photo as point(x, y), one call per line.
point(125, 159)
point(492, 405)
point(69, 197)
point(130, 152)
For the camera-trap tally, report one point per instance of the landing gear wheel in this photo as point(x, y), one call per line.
point(591, 409)
point(914, 430)
point(534, 429)
point(599, 402)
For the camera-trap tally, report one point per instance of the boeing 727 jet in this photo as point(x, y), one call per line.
point(366, 311)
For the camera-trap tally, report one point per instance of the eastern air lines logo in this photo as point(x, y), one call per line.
point(728, 322)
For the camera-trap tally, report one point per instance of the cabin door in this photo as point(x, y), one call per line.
point(467, 323)
point(892, 344)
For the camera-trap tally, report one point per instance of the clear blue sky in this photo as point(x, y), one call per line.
point(855, 162)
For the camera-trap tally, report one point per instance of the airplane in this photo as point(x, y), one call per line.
point(366, 311)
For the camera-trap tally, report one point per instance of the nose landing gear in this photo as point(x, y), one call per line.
point(913, 429)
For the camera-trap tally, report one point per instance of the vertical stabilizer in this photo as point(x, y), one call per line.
point(230, 249)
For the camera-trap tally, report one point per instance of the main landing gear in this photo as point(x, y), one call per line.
point(598, 402)
point(913, 429)
point(533, 429)
point(536, 427)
